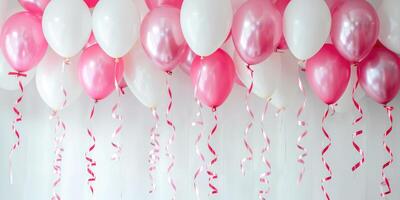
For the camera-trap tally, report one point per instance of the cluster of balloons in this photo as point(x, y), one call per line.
point(111, 43)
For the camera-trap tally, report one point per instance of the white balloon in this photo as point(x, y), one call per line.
point(345, 103)
point(307, 25)
point(67, 26)
point(144, 79)
point(116, 26)
point(8, 82)
point(51, 80)
point(266, 75)
point(206, 24)
point(389, 16)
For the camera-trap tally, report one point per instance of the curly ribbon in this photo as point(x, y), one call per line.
point(262, 193)
point(324, 150)
point(250, 124)
point(385, 179)
point(198, 122)
point(117, 116)
point(171, 138)
point(154, 152)
point(90, 161)
point(212, 175)
point(18, 119)
point(302, 125)
point(357, 132)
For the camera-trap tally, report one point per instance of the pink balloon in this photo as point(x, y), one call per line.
point(379, 75)
point(355, 29)
point(256, 30)
point(97, 72)
point(151, 4)
point(281, 6)
point(35, 7)
point(186, 64)
point(162, 37)
point(92, 41)
point(22, 41)
point(328, 74)
point(213, 78)
point(91, 3)
point(333, 4)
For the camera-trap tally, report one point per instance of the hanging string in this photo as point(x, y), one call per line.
point(264, 177)
point(302, 124)
point(212, 176)
point(117, 116)
point(385, 179)
point(358, 132)
point(324, 150)
point(250, 124)
point(171, 138)
point(90, 161)
point(154, 156)
point(200, 123)
point(18, 119)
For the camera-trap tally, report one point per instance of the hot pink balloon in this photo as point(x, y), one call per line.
point(151, 4)
point(22, 41)
point(213, 78)
point(91, 3)
point(355, 29)
point(162, 37)
point(328, 74)
point(281, 6)
point(35, 7)
point(379, 75)
point(97, 72)
point(256, 30)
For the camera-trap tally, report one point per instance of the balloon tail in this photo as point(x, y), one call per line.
point(90, 161)
point(212, 176)
point(118, 117)
point(264, 177)
point(155, 150)
point(18, 119)
point(302, 124)
point(249, 125)
point(171, 139)
point(200, 123)
point(359, 132)
point(385, 179)
point(324, 150)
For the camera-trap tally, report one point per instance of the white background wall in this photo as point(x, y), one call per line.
point(128, 178)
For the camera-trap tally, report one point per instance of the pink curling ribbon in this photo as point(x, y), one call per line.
point(385, 179)
point(324, 150)
point(264, 177)
point(18, 119)
point(117, 116)
point(171, 138)
point(303, 125)
point(90, 161)
point(250, 124)
point(359, 132)
point(200, 123)
point(155, 150)
point(212, 176)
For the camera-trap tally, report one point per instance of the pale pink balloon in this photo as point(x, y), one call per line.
point(98, 71)
point(151, 4)
point(35, 7)
point(256, 30)
point(355, 29)
point(22, 41)
point(186, 63)
point(91, 3)
point(162, 38)
point(328, 74)
point(379, 75)
point(213, 78)
point(281, 6)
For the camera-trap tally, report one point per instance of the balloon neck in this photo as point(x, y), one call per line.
point(116, 60)
point(302, 65)
point(17, 74)
point(214, 109)
point(168, 73)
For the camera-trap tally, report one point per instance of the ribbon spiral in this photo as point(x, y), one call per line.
point(90, 161)
point(200, 123)
point(212, 176)
point(117, 116)
point(302, 124)
point(359, 132)
point(324, 150)
point(155, 150)
point(385, 179)
point(262, 193)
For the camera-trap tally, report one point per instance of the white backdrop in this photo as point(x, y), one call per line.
point(128, 178)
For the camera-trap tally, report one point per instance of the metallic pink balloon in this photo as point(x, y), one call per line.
point(162, 37)
point(379, 75)
point(22, 41)
point(256, 30)
point(35, 7)
point(91, 3)
point(97, 72)
point(213, 78)
point(281, 6)
point(355, 29)
point(151, 4)
point(328, 74)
